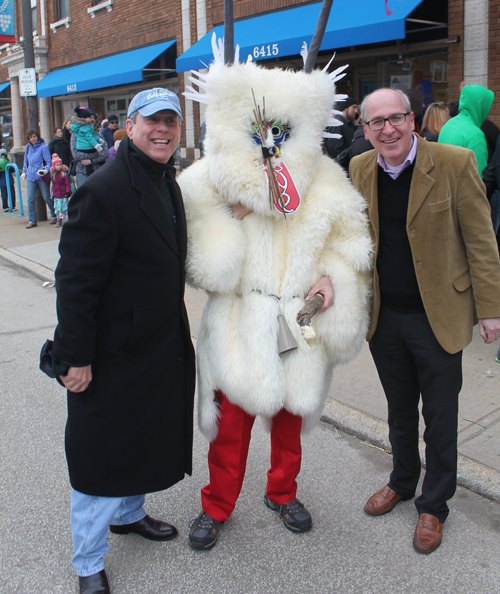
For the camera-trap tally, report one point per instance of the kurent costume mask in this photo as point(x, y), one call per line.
point(273, 118)
point(263, 149)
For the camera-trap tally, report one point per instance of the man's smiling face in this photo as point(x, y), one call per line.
point(392, 142)
point(157, 135)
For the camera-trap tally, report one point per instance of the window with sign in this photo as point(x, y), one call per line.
point(439, 70)
point(62, 9)
point(118, 106)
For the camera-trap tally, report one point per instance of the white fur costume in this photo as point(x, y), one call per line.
point(264, 265)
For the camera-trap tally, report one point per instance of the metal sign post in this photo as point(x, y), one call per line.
point(29, 61)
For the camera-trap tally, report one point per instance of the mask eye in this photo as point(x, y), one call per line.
point(279, 131)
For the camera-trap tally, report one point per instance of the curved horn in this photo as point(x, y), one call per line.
point(318, 35)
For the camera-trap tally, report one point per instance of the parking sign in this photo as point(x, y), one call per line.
point(27, 82)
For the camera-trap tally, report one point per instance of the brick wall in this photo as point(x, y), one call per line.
point(245, 8)
point(129, 25)
point(494, 58)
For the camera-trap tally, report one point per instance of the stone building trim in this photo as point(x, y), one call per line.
point(66, 21)
point(93, 9)
point(476, 42)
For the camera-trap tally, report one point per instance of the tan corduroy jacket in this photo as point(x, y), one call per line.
point(451, 237)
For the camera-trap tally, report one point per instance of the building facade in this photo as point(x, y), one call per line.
point(100, 53)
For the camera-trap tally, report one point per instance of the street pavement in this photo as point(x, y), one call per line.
point(346, 551)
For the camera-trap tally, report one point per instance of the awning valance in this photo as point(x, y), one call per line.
point(118, 69)
point(282, 33)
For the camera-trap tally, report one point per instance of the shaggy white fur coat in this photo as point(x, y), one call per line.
point(264, 265)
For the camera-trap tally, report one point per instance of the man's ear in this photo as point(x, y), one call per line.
point(365, 128)
point(129, 127)
point(412, 120)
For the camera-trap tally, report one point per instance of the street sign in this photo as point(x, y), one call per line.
point(27, 82)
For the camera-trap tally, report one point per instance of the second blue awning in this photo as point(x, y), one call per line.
point(282, 33)
point(119, 69)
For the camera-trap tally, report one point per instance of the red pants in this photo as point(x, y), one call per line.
point(227, 459)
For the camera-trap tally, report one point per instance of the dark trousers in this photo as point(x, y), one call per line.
point(410, 362)
point(5, 196)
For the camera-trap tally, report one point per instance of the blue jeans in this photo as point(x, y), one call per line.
point(90, 520)
point(31, 191)
point(80, 177)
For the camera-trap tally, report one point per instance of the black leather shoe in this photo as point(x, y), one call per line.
point(148, 528)
point(94, 584)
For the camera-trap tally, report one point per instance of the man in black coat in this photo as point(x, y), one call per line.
point(123, 333)
point(108, 132)
point(350, 114)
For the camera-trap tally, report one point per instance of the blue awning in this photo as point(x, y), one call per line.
point(282, 33)
point(3, 86)
point(119, 69)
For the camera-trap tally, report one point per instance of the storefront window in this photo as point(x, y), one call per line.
point(6, 123)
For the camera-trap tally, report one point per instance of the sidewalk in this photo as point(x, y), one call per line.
point(356, 403)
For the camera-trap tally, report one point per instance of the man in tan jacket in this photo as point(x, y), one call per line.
point(437, 273)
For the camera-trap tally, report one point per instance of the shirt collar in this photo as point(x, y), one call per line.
point(394, 172)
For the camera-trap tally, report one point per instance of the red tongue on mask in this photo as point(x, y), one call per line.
point(289, 192)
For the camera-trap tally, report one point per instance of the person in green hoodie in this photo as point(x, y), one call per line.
point(465, 128)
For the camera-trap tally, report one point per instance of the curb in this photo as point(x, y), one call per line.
point(42, 272)
point(472, 474)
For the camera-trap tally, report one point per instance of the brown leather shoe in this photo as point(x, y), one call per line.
point(30, 225)
point(382, 502)
point(53, 221)
point(428, 534)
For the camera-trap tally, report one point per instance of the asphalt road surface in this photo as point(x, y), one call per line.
point(345, 552)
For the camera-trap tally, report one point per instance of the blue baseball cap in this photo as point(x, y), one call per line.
point(149, 102)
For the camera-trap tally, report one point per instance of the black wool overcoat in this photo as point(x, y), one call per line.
point(120, 307)
point(61, 147)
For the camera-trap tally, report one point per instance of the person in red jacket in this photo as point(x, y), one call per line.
point(61, 188)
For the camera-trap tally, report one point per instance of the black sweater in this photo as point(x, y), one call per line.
point(398, 283)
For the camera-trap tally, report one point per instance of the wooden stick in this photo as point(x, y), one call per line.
point(274, 189)
point(305, 315)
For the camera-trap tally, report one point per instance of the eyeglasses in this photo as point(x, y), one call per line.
point(396, 119)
